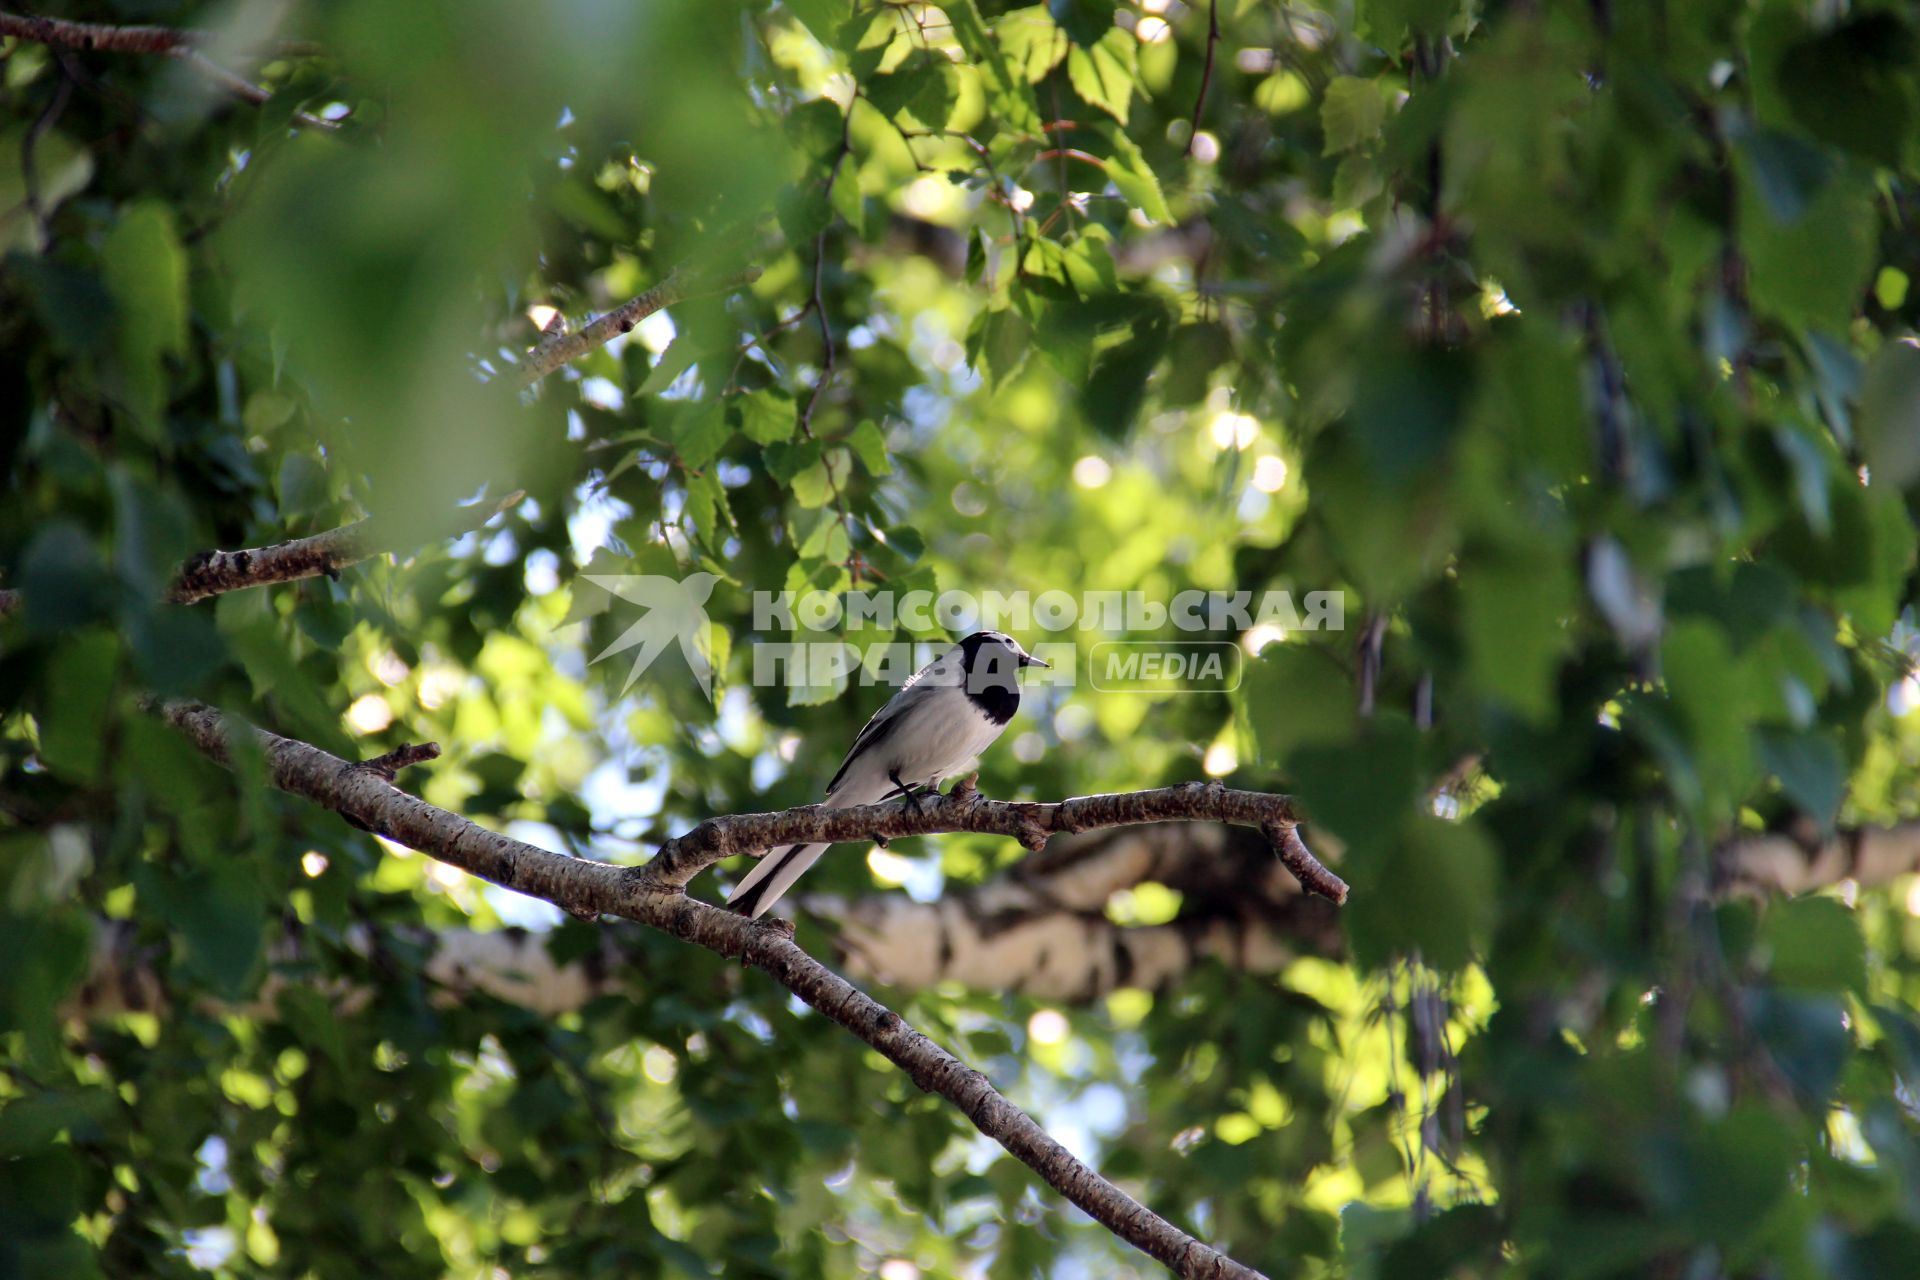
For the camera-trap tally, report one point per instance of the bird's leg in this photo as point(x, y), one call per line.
point(910, 791)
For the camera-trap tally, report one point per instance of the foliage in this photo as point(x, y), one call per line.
point(1569, 340)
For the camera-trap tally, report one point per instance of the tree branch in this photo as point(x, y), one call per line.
point(565, 347)
point(212, 573)
point(98, 35)
point(169, 42)
point(1041, 927)
point(1206, 73)
point(964, 809)
point(585, 888)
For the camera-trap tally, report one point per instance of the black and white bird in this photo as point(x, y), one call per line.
point(949, 712)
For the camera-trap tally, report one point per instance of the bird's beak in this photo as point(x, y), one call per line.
point(1028, 660)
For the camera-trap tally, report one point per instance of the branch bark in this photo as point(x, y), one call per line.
point(590, 889)
point(211, 573)
point(565, 347)
point(98, 35)
point(168, 42)
point(964, 809)
point(1041, 928)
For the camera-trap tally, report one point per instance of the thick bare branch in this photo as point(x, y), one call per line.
point(1800, 862)
point(567, 346)
point(964, 809)
point(1041, 928)
point(589, 889)
point(515, 966)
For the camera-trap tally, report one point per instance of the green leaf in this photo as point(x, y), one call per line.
point(63, 168)
point(1806, 1036)
point(1811, 768)
point(1814, 944)
point(1135, 177)
point(708, 510)
point(822, 18)
point(219, 916)
point(1813, 270)
point(997, 343)
point(787, 460)
point(871, 448)
point(674, 361)
point(922, 84)
point(1034, 44)
point(1117, 388)
point(1351, 114)
point(1407, 407)
point(1088, 22)
point(73, 721)
point(847, 201)
point(1362, 788)
point(146, 272)
point(804, 210)
point(31, 1122)
point(1103, 73)
point(1887, 419)
point(1514, 615)
point(1008, 91)
point(1294, 694)
point(768, 417)
point(1432, 890)
point(1788, 171)
point(699, 432)
point(815, 486)
point(1195, 352)
point(1720, 1179)
point(1852, 85)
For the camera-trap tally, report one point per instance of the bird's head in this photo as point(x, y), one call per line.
point(994, 651)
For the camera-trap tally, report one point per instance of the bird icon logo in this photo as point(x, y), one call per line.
point(675, 611)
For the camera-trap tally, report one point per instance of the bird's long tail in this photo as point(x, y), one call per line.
point(775, 873)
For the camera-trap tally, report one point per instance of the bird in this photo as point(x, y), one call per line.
point(950, 711)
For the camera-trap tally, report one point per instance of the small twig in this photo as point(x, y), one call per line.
point(1206, 73)
point(401, 757)
point(243, 88)
point(563, 348)
point(818, 300)
point(1307, 869)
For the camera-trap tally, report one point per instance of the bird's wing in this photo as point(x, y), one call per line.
point(888, 719)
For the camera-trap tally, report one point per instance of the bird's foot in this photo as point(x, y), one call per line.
point(967, 786)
